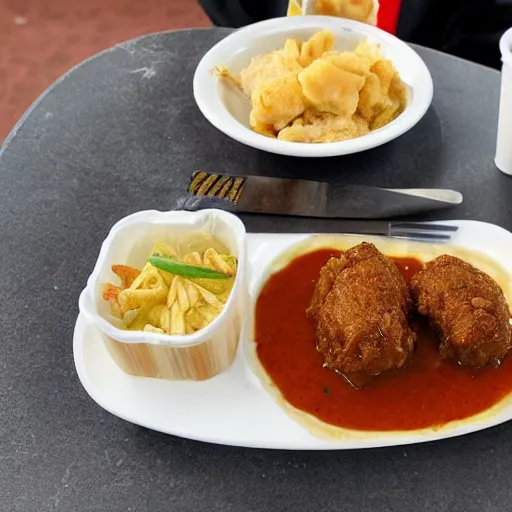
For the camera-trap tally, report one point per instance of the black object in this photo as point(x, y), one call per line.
point(467, 29)
point(238, 13)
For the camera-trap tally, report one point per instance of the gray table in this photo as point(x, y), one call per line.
point(121, 133)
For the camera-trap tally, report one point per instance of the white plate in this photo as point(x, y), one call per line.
point(228, 110)
point(233, 408)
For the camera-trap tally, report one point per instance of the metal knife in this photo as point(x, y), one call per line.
point(279, 196)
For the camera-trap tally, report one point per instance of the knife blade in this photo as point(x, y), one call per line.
point(303, 198)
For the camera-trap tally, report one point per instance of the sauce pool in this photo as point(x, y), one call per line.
point(428, 392)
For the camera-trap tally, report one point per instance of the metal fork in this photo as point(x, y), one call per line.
point(421, 231)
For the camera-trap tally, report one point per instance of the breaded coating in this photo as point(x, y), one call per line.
point(468, 309)
point(349, 61)
point(292, 48)
point(278, 103)
point(330, 88)
point(322, 127)
point(385, 71)
point(350, 92)
point(359, 310)
point(371, 99)
point(265, 69)
point(311, 50)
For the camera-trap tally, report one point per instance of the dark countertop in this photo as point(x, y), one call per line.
point(121, 133)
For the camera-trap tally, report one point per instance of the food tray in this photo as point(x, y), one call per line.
point(234, 408)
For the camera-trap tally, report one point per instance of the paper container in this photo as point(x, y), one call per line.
point(503, 158)
point(332, 8)
point(196, 356)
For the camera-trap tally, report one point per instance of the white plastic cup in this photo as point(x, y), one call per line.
point(503, 159)
point(197, 356)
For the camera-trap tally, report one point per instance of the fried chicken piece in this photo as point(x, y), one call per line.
point(468, 309)
point(359, 310)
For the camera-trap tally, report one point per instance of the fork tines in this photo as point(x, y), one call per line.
point(422, 231)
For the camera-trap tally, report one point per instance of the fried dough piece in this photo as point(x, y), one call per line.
point(385, 71)
point(324, 127)
point(349, 61)
point(395, 104)
point(359, 310)
point(225, 74)
point(383, 95)
point(262, 128)
point(368, 51)
point(331, 89)
point(371, 99)
point(359, 10)
point(390, 112)
point(277, 103)
point(311, 50)
point(292, 48)
point(398, 90)
point(359, 90)
point(468, 309)
point(265, 69)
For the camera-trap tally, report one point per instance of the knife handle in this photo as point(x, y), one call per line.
point(217, 185)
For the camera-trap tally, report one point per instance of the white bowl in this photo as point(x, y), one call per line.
point(189, 357)
point(228, 109)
